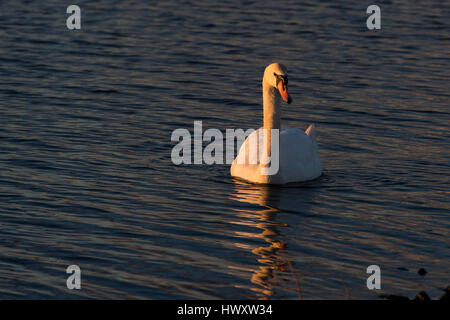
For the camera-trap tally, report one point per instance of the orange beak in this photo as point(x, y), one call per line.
point(283, 88)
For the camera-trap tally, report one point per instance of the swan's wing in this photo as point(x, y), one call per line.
point(299, 158)
point(250, 151)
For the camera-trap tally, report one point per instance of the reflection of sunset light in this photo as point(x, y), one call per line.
point(242, 245)
point(272, 258)
point(248, 235)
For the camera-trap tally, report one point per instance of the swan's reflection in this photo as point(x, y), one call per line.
point(273, 258)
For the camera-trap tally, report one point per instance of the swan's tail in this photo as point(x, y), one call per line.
point(311, 131)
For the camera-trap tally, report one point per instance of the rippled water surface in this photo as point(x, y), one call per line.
point(86, 175)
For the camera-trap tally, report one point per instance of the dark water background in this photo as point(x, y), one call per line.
point(86, 176)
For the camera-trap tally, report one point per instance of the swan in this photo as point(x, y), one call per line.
point(298, 159)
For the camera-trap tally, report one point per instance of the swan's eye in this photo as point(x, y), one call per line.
point(282, 78)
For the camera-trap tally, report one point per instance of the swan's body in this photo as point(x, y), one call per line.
point(299, 160)
point(298, 157)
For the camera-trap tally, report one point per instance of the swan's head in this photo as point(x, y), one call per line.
point(276, 76)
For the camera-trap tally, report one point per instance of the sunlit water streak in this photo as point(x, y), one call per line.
point(86, 176)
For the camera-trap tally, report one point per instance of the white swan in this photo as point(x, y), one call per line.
point(298, 157)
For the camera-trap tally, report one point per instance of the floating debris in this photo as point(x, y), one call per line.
point(422, 271)
point(446, 296)
point(422, 296)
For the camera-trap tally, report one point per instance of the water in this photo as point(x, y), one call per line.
point(86, 176)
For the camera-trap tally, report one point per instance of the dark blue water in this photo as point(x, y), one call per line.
point(86, 176)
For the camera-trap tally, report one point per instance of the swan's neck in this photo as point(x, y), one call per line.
point(271, 105)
